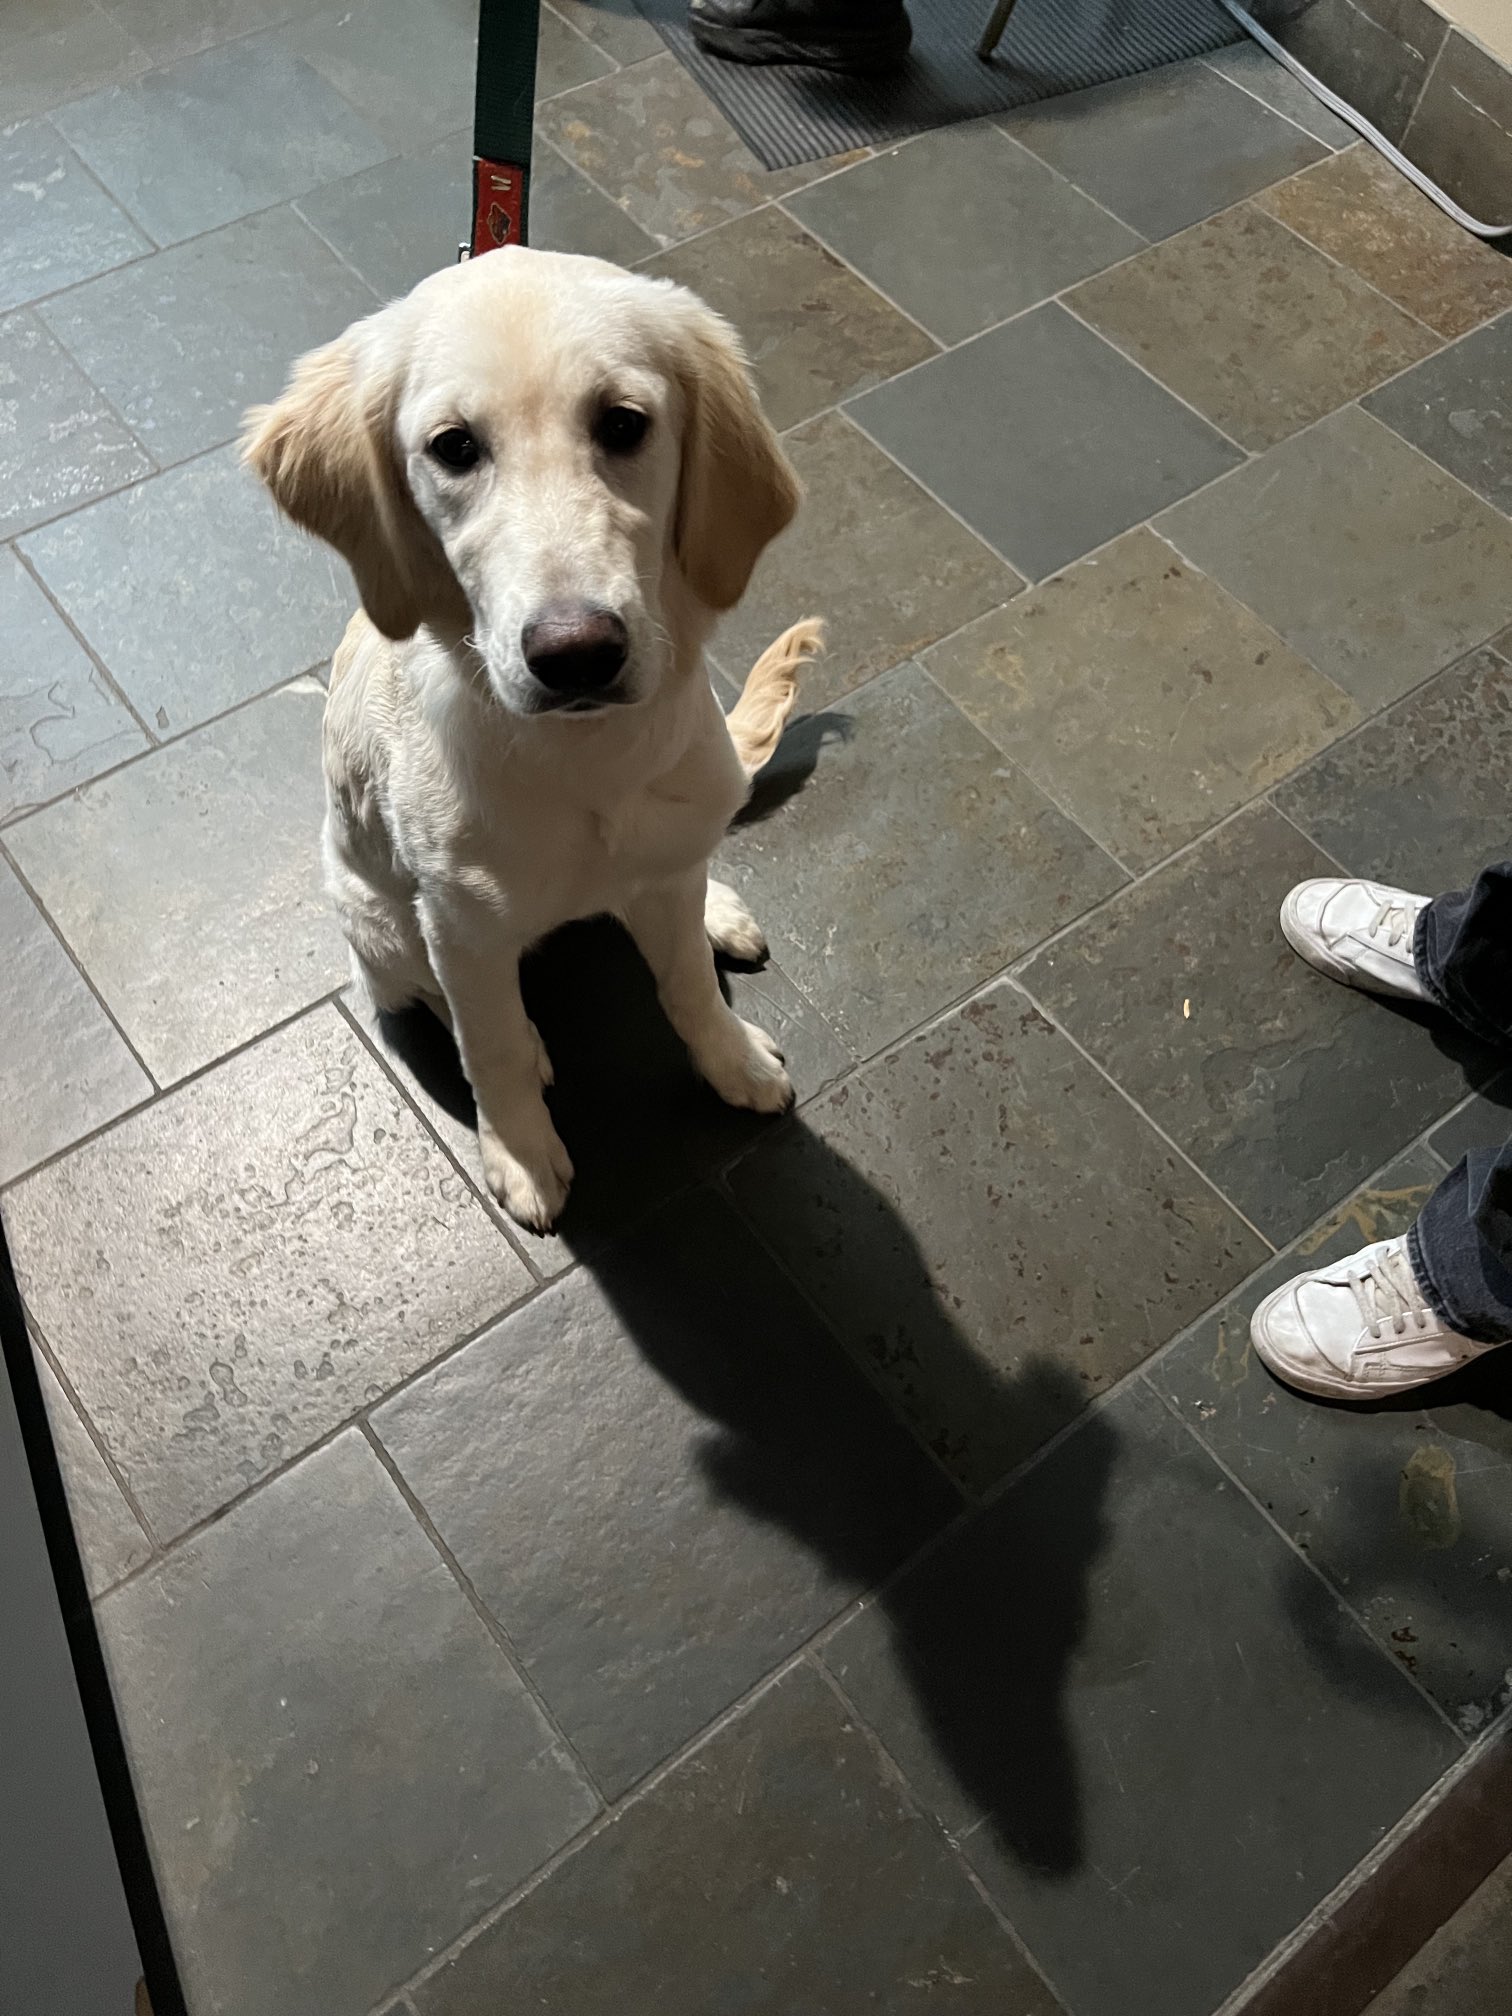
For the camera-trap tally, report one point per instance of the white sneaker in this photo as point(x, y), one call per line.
point(1358, 1330)
point(1357, 932)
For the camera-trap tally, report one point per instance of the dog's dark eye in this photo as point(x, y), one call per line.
point(455, 448)
point(620, 430)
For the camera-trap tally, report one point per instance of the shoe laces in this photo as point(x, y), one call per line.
point(1386, 1292)
point(1395, 919)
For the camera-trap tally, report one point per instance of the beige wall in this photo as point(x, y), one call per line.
point(1489, 21)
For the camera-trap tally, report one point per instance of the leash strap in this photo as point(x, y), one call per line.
point(503, 122)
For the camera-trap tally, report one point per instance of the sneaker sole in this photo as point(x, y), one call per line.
point(864, 55)
point(1306, 946)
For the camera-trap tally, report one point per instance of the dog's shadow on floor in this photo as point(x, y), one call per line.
point(797, 1436)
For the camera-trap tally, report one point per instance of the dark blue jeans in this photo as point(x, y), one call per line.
point(1461, 1245)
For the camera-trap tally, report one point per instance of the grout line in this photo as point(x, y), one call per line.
point(604, 1820)
point(490, 1622)
point(545, 141)
point(25, 561)
point(1437, 341)
point(1065, 302)
point(844, 412)
point(162, 1093)
point(941, 344)
point(102, 1448)
point(1429, 70)
point(163, 741)
point(1370, 1863)
point(79, 967)
point(1128, 1098)
point(926, 1813)
point(578, 35)
point(1017, 769)
point(1315, 1573)
point(1275, 110)
point(115, 202)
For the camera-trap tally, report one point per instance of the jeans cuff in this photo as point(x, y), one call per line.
point(1423, 964)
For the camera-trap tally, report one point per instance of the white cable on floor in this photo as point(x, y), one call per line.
point(1347, 112)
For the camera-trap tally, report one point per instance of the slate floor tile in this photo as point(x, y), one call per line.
point(649, 138)
point(402, 220)
point(210, 139)
point(189, 886)
point(1210, 706)
point(1252, 326)
point(62, 444)
point(1404, 1507)
point(992, 1229)
point(567, 214)
point(1376, 54)
point(617, 26)
point(887, 568)
point(408, 70)
point(181, 344)
point(1365, 213)
point(67, 52)
point(913, 866)
point(662, 1477)
point(1461, 130)
point(1484, 1121)
point(1364, 557)
point(171, 29)
point(1124, 1618)
point(186, 631)
point(57, 225)
point(1163, 150)
point(60, 722)
point(1255, 71)
point(1457, 407)
point(845, 340)
point(565, 57)
point(780, 1867)
point(963, 228)
point(110, 1537)
point(1044, 439)
point(64, 1070)
point(227, 1276)
point(1266, 1073)
point(1419, 796)
point(298, 1685)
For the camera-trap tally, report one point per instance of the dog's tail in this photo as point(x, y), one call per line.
point(757, 719)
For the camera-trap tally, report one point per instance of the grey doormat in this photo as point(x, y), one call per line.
point(787, 115)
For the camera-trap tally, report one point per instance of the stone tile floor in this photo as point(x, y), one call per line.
point(857, 1565)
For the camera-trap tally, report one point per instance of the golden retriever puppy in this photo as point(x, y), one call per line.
point(548, 477)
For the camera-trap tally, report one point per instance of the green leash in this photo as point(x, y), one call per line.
point(503, 123)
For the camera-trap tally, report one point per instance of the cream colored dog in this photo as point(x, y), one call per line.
point(548, 477)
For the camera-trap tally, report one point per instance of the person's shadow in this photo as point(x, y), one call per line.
point(981, 1633)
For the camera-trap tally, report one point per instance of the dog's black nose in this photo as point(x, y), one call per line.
point(574, 648)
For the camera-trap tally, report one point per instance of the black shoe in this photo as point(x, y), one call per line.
point(857, 36)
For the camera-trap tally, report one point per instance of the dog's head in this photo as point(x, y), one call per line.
point(539, 452)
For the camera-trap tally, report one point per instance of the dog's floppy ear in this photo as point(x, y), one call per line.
point(326, 451)
point(738, 489)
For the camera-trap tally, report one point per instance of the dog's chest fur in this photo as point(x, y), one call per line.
point(543, 822)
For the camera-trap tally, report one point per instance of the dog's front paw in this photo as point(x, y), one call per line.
point(745, 1067)
point(532, 1182)
point(732, 930)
